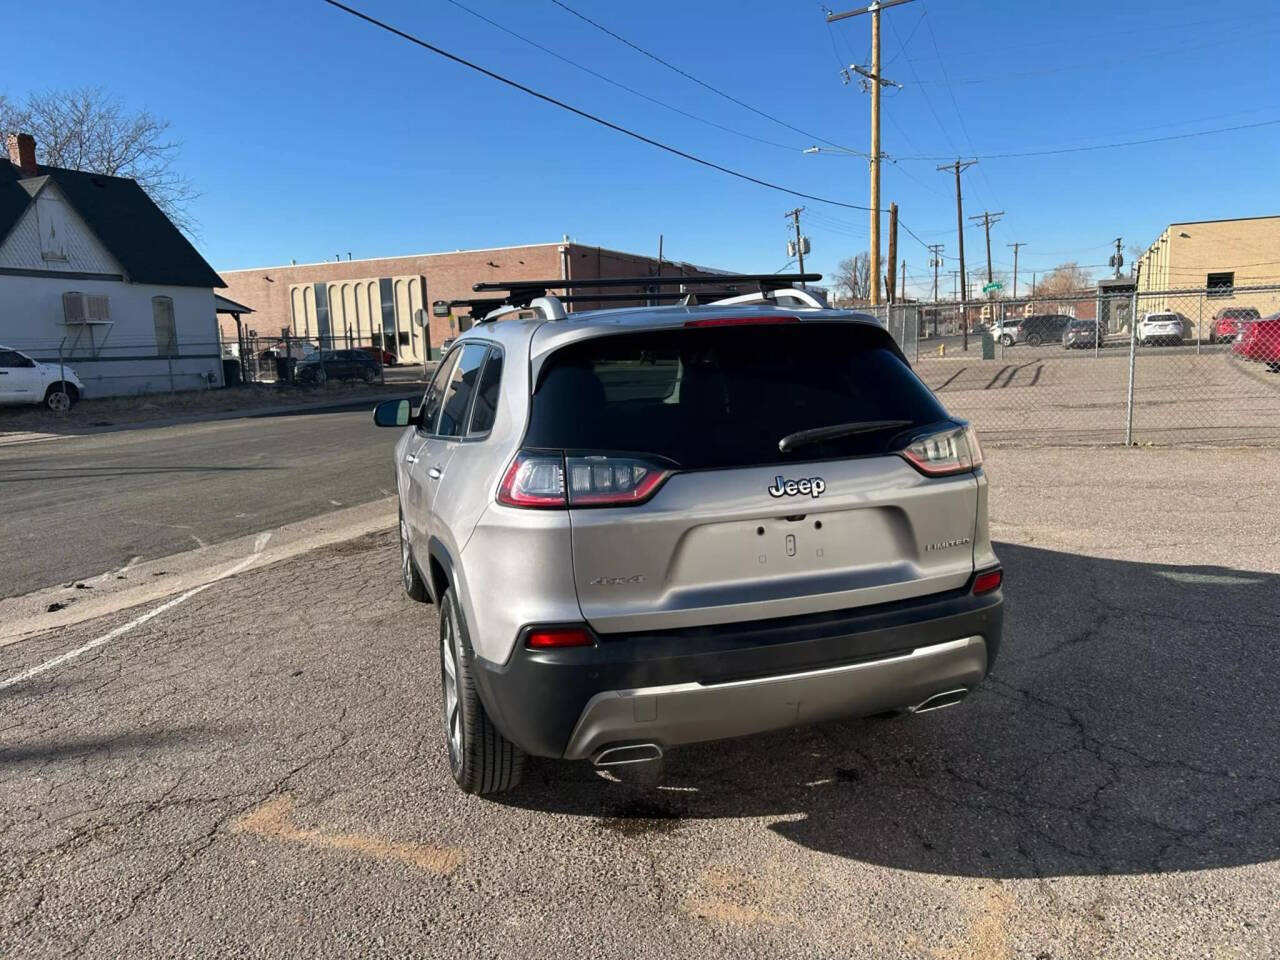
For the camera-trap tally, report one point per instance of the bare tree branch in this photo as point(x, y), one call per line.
point(853, 277)
point(88, 129)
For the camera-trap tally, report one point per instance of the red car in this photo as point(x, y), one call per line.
point(1227, 323)
point(1259, 341)
point(385, 357)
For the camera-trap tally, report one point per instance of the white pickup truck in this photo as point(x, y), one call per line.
point(24, 380)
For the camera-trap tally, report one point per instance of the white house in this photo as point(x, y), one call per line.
point(92, 272)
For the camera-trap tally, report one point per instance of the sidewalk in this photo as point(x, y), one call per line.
point(107, 415)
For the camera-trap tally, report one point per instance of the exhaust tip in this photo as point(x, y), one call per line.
point(947, 698)
point(627, 753)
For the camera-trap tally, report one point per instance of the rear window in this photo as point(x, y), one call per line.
point(724, 397)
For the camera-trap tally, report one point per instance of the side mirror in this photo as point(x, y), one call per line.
point(392, 413)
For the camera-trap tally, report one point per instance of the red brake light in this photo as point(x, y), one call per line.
point(749, 320)
point(953, 450)
point(533, 480)
point(555, 638)
point(987, 581)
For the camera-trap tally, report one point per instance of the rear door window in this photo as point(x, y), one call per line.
point(430, 410)
point(461, 386)
point(724, 396)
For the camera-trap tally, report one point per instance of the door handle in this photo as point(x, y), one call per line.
point(410, 458)
point(434, 473)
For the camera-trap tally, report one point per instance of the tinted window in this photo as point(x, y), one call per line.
point(462, 383)
point(486, 407)
point(431, 400)
point(11, 358)
point(724, 397)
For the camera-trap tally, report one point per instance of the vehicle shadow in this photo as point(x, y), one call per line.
point(1129, 726)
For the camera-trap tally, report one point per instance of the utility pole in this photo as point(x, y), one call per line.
point(902, 289)
point(891, 273)
point(988, 218)
point(798, 249)
point(957, 168)
point(877, 82)
point(1117, 258)
point(1016, 248)
point(935, 261)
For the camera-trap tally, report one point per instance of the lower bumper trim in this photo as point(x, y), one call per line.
point(681, 713)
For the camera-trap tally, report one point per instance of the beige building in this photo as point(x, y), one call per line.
point(1218, 257)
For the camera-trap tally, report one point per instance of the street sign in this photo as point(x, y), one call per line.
point(992, 287)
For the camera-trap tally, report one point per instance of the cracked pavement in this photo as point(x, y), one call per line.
point(260, 771)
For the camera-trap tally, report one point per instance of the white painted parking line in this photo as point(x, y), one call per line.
point(124, 628)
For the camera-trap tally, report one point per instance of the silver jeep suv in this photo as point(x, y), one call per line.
point(650, 527)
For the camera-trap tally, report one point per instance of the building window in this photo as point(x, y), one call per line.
point(404, 338)
point(166, 333)
point(1220, 284)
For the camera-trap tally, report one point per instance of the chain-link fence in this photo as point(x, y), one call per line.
point(124, 366)
point(1150, 367)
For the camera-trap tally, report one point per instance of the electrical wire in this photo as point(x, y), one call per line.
point(1106, 146)
point(439, 51)
point(688, 76)
point(620, 86)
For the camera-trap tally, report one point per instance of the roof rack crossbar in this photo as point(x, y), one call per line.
point(771, 281)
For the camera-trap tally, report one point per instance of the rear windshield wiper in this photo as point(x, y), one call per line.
point(803, 438)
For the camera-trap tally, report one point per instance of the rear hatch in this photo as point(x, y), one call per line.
point(721, 525)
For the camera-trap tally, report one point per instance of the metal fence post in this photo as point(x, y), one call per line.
point(1199, 323)
point(1133, 359)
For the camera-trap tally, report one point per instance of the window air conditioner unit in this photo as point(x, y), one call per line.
point(80, 307)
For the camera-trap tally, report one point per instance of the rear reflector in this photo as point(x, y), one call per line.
point(553, 638)
point(987, 581)
point(750, 320)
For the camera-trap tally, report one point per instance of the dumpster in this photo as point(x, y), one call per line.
point(284, 369)
point(988, 345)
point(231, 372)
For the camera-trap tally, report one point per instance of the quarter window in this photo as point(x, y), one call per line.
point(486, 405)
point(462, 383)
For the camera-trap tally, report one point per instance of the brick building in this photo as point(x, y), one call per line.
point(1217, 256)
point(373, 301)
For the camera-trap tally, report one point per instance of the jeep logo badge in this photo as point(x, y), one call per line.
point(810, 486)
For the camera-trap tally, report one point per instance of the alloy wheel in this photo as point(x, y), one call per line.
point(449, 674)
point(59, 401)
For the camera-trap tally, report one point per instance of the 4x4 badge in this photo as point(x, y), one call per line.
point(811, 486)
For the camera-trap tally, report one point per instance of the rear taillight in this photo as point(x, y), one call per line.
point(987, 581)
point(745, 321)
point(953, 450)
point(551, 480)
point(557, 638)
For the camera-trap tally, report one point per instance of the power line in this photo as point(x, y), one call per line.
point(1109, 146)
point(583, 113)
point(688, 76)
point(615, 83)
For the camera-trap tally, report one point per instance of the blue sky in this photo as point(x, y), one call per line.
point(311, 134)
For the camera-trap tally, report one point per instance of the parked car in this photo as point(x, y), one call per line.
point(1080, 334)
point(798, 546)
point(1161, 328)
point(1035, 330)
point(24, 380)
point(1259, 341)
point(385, 357)
point(338, 365)
point(1227, 323)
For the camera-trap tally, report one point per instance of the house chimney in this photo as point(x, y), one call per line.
point(22, 152)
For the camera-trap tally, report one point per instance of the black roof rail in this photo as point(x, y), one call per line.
point(522, 292)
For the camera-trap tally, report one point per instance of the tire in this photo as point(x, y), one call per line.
point(481, 759)
point(60, 397)
point(1034, 340)
point(369, 376)
point(410, 579)
point(1007, 340)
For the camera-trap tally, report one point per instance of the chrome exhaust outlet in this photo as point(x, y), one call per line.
point(948, 698)
point(627, 753)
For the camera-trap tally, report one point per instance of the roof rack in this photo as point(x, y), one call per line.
point(523, 292)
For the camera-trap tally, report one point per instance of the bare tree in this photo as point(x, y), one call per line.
point(1067, 277)
point(88, 129)
point(853, 277)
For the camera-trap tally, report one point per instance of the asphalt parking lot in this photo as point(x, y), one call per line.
point(257, 770)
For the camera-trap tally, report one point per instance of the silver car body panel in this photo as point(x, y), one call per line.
point(682, 713)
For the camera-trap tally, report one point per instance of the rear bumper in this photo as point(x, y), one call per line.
point(673, 687)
